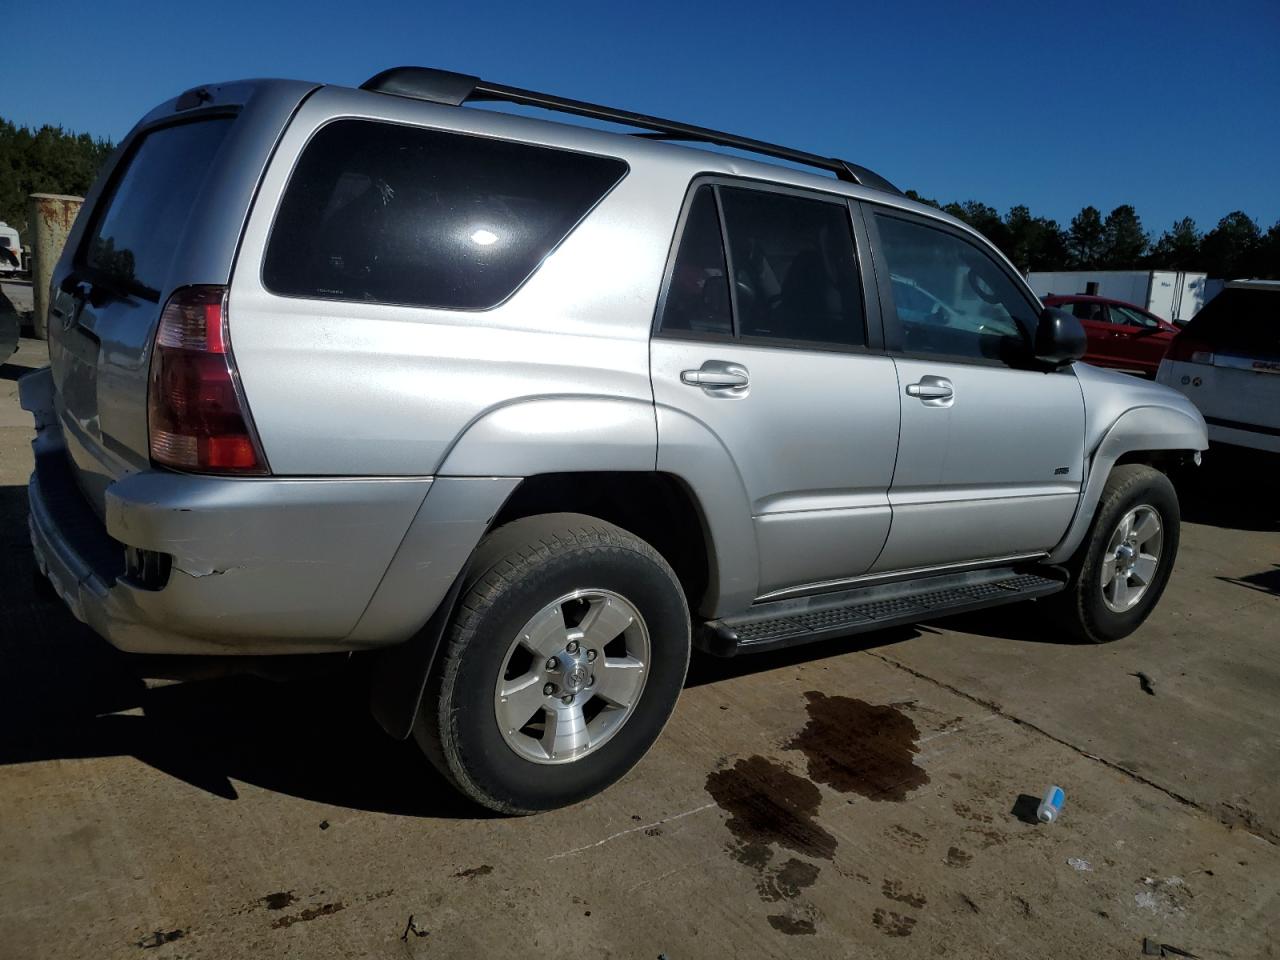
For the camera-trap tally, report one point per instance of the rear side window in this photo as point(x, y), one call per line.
point(698, 294)
point(136, 230)
point(395, 214)
point(791, 266)
point(1085, 310)
point(794, 270)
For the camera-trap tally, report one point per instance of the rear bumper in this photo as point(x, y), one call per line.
point(258, 566)
point(263, 566)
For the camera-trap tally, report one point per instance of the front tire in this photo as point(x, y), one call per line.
point(564, 659)
point(1124, 564)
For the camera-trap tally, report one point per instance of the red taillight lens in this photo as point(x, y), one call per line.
point(1189, 349)
point(196, 414)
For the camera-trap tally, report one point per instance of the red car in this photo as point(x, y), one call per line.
point(1121, 335)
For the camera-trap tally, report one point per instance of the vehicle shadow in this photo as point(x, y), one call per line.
point(1023, 622)
point(1265, 581)
point(705, 668)
point(1231, 490)
point(65, 694)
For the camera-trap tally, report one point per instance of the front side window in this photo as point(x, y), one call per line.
point(388, 213)
point(795, 271)
point(950, 298)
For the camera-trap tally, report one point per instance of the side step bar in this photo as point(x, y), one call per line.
point(786, 623)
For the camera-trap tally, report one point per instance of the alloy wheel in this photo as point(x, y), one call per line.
point(1131, 559)
point(572, 676)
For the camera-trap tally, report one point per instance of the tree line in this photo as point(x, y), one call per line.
point(47, 160)
point(54, 160)
point(1237, 247)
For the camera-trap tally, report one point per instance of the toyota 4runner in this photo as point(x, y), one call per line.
point(527, 410)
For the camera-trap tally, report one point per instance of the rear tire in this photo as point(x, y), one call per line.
point(1122, 567)
point(544, 596)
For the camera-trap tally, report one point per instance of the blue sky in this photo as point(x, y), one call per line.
point(1173, 107)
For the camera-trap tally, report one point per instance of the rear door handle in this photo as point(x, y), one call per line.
point(717, 376)
point(932, 391)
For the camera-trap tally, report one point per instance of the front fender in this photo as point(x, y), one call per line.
point(1136, 430)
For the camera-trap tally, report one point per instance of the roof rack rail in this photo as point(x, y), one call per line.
point(455, 89)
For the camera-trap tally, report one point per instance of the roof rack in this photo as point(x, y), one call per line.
point(455, 89)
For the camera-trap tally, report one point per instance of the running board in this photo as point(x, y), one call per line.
point(786, 623)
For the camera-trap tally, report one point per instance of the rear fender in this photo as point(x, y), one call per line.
point(688, 449)
point(527, 437)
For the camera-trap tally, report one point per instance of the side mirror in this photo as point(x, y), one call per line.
point(1060, 339)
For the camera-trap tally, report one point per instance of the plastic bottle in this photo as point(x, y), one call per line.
point(1051, 805)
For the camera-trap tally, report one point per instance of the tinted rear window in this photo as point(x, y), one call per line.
point(394, 214)
point(1240, 320)
point(795, 271)
point(134, 235)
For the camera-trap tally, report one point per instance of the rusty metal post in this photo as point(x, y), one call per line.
point(49, 219)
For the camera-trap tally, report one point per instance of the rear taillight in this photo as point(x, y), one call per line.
point(196, 413)
point(1189, 349)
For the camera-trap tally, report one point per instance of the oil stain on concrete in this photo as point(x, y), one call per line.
point(894, 890)
point(787, 881)
point(278, 901)
point(311, 913)
point(849, 745)
point(770, 808)
point(891, 923)
point(863, 748)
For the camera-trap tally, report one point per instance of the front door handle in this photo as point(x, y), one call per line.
point(717, 376)
point(932, 391)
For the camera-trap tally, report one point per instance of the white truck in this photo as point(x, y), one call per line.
point(1174, 295)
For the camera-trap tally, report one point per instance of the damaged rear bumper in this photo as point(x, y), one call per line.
point(261, 566)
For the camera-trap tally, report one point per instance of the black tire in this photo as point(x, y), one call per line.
point(1084, 614)
point(516, 571)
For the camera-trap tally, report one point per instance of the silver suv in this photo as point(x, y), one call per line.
point(526, 410)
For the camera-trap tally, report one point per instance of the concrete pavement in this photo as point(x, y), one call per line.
point(861, 798)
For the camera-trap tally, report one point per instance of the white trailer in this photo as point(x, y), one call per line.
point(9, 241)
point(1171, 294)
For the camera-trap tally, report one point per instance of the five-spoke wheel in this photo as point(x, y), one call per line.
point(573, 676)
point(1134, 549)
point(1121, 568)
point(563, 660)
